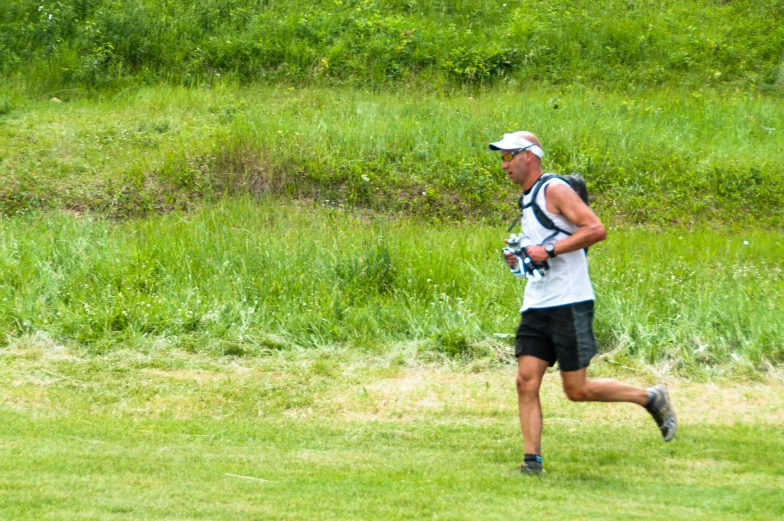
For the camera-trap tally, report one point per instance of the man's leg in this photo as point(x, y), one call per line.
point(575, 345)
point(579, 389)
point(655, 399)
point(530, 371)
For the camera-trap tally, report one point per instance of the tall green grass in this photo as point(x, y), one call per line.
point(655, 158)
point(86, 44)
point(243, 278)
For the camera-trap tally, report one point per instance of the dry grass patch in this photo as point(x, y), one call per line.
point(38, 374)
point(433, 392)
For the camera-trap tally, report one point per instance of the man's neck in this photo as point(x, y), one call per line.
point(531, 180)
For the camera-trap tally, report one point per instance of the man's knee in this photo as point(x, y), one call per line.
point(527, 384)
point(577, 393)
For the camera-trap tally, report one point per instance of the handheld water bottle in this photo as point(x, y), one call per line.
point(517, 245)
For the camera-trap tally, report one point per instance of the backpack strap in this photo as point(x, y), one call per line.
point(542, 217)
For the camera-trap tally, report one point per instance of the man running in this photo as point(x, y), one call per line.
point(557, 311)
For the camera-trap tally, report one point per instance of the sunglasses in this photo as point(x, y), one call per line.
point(509, 156)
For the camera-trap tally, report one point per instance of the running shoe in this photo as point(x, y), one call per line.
point(661, 410)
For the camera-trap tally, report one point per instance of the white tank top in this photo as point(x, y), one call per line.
point(567, 281)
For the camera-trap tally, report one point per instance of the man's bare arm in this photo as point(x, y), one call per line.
point(562, 200)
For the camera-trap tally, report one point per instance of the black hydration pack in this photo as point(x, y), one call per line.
point(577, 183)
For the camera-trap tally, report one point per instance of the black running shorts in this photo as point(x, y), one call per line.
point(563, 333)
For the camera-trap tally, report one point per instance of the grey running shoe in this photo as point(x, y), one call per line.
point(531, 467)
point(661, 410)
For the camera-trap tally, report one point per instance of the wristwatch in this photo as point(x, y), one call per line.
point(550, 249)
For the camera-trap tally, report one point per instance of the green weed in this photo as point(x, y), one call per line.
point(245, 278)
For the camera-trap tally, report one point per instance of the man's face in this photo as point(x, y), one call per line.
point(516, 168)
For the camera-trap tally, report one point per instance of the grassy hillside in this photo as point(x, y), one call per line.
point(666, 157)
point(670, 109)
point(48, 46)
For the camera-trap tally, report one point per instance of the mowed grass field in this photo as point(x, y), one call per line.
point(332, 434)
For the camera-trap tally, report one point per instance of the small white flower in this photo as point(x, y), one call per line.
point(745, 243)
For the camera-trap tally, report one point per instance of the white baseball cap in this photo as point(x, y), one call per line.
point(516, 141)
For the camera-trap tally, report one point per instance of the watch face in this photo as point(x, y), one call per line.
point(549, 247)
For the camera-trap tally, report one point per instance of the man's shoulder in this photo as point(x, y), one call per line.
point(556, 182)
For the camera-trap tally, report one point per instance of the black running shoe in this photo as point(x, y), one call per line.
point(531, 467)
point(661, 410)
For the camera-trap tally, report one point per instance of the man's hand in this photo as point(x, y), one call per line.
point(537, 253)
point(511, 260)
